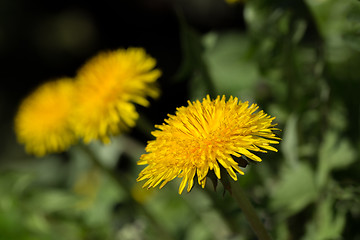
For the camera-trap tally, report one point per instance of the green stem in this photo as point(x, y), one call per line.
point(247, 208)
point(116, 178)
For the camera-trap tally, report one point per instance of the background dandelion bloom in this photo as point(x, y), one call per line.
point(42, 121)
point(108, 86)
point(202, 135)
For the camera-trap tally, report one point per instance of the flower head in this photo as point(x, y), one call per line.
point(42, 119)
point(203, 135)
point(108, 86)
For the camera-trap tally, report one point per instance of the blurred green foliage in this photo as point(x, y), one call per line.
point(299, 60)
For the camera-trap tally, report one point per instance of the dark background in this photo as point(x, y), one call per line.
point(43, 40)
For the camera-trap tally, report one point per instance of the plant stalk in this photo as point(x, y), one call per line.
point(247, 208)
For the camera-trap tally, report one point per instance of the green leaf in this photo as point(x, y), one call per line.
point(351, 38)
point(108, 196)
point(339, 25)
point(334, 153)
point(295, 190)
point(198, 232)
point(230, 66)
point(328, 223)
point(289, 144)
point(52, 200)
point(37, 222)
point(282, 231)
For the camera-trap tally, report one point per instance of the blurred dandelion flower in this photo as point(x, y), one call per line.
point(203, 135)
point(42, 122)
point(108, 86)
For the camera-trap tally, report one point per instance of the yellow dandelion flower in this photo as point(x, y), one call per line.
point(203, 135)
point(108, 87)
point(42, 121)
